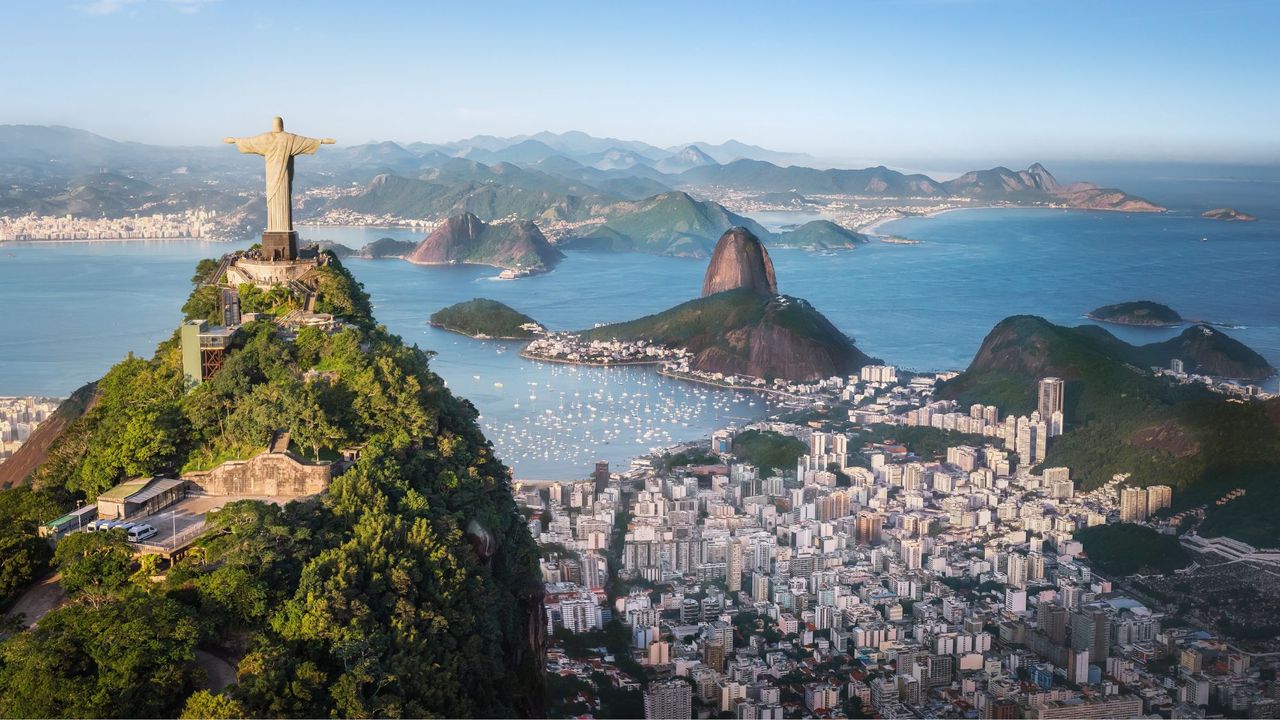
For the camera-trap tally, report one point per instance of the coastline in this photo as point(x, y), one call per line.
point(524, 354)
point(1121, 323)
point(478, 337)
point(527, 273)
point(71, 241)
point(726, 386)
point(870, 228)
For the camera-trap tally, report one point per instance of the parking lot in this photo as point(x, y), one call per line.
point(182, 522)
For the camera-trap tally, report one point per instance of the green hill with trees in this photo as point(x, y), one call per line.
point(485, 318)
point(409, 588)
point(1125, 549)
point(1120, 418)
point(743, 332)
point(1137, 312)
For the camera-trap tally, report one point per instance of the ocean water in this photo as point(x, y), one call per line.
point(71, 310)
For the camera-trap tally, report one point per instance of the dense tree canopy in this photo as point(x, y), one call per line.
point(369, 600)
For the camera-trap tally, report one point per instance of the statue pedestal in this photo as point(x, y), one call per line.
point(279, 245)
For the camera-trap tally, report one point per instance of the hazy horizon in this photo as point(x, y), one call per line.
point(930, 84)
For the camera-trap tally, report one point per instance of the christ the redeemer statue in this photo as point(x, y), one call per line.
point(279, 148)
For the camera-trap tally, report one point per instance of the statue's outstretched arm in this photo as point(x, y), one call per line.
point(254, 144)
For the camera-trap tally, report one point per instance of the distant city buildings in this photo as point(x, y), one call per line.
point(187, 224)
point(916, 585)
point(19, 417)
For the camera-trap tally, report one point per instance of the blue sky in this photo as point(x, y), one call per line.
point(916, 80)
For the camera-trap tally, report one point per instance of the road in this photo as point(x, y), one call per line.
point(219, 672)
point(39, 599)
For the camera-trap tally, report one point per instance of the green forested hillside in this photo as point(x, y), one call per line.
point(485, 318)
point(409, 589)
point(1122, 419)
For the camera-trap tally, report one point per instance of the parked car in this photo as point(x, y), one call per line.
point(97, 525)
point(138, 533)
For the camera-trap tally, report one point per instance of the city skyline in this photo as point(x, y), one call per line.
point(861, 84)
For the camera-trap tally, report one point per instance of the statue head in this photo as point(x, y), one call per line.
point(277, 124)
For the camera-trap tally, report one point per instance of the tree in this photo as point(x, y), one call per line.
point(23, 555)
point(137, 426)
point(204, 269)
point(22, 558)
point(126, 658)
point(310, 424)
point(94, 565)
point(204, 705)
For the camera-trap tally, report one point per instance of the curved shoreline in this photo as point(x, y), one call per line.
point(529, 272)
point(479, 337)
point(1152, 325)
point(587, 363)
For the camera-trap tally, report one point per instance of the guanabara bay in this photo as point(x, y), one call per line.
point(749, 361)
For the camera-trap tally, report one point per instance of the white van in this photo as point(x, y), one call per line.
point(138, 533)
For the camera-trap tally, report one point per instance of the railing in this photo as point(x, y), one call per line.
point(182, 539)
point(217, 274)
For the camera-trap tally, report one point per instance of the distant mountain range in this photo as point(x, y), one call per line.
point(673, 224)
point(543, 177)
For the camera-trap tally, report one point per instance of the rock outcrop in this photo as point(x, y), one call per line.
point(465, 238)
point(1228, 214)
point(739, 261)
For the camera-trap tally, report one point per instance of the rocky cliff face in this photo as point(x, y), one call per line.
point(739, 261)
point(18, 467)
point(466, 238)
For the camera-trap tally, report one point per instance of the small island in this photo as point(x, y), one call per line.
point(820, 235)
point(387, 248)
point(899, 240)
point(1138, 312)
point(486, 319)
point(1228, 214)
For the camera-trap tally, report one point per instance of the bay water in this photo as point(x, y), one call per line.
point(70, 310)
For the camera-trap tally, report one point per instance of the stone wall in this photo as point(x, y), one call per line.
point(277, 474)
point(264, 272)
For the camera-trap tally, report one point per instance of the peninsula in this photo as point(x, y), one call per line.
point(741, 330)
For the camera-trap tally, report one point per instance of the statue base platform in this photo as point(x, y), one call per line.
point(280, 245)
point(266, 273)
